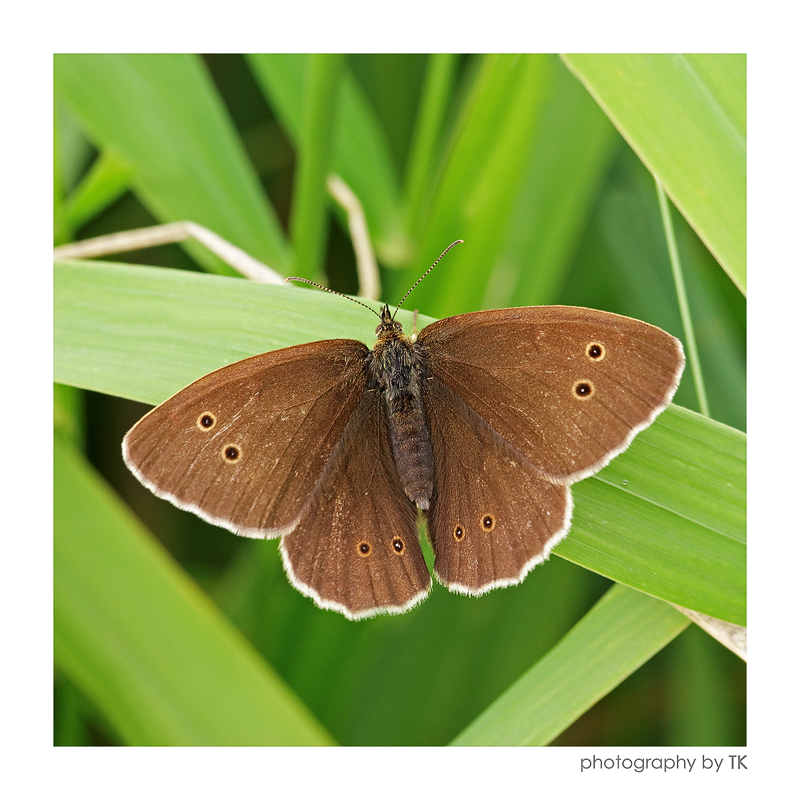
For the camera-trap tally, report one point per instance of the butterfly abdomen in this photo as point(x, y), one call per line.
point(397, 370)
point(411, 445)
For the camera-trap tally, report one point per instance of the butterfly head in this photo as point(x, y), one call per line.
point(389, 327)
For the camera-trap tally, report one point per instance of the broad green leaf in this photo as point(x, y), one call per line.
point(666, 517)
point(144, 643)
point(614, 639)
point(685, 116)
point(162, 114)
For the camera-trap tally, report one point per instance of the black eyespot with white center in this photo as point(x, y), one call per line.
point(206, 421)
point(595, 351)
point(231, 453)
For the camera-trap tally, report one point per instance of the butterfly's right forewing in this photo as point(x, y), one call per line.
point(568, 387)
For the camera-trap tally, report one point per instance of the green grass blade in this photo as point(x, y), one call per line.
point(309, 220)
point(140, 639)
point(685, 116)
point(569, 157)
point(141, 319)
point(360, 151)
point(426, 140)
point(162, 114)
point(690, 341)
point(72, 152)
point(107, 180)
point(622, 631)
point(666, 517)
point(480, 181)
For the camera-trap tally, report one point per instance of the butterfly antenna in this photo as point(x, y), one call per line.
point(449, 247)
point(333, 291)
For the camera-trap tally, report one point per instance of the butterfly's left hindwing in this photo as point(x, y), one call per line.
point(493, 516)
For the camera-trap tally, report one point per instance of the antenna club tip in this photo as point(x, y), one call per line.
point(450, 247)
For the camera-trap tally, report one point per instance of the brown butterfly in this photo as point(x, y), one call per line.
point(481, 424)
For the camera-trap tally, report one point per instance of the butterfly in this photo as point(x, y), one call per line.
point(479, 425)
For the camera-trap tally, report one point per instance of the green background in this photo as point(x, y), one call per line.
point(170, 631)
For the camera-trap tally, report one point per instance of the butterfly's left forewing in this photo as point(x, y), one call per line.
point(245, 446)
